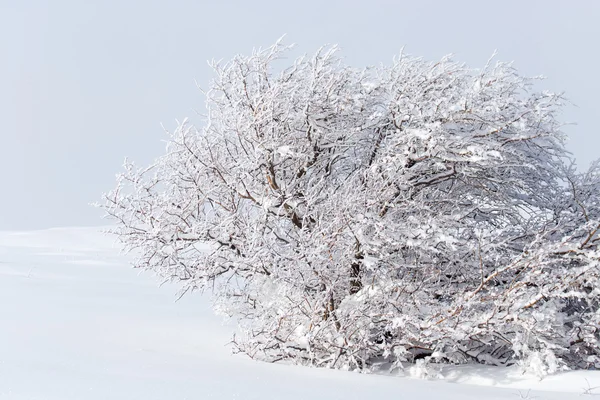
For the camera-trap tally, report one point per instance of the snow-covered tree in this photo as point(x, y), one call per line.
point(352, 217)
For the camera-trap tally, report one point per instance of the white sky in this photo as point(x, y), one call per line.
point(85, 83)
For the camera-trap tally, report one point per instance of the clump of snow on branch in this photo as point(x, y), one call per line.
point(350, 218)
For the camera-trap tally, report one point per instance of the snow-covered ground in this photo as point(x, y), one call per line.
point(77, 323)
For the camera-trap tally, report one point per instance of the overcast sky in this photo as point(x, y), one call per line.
point(85, 83)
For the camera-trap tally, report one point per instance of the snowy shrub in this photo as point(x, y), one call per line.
point(349, 217)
